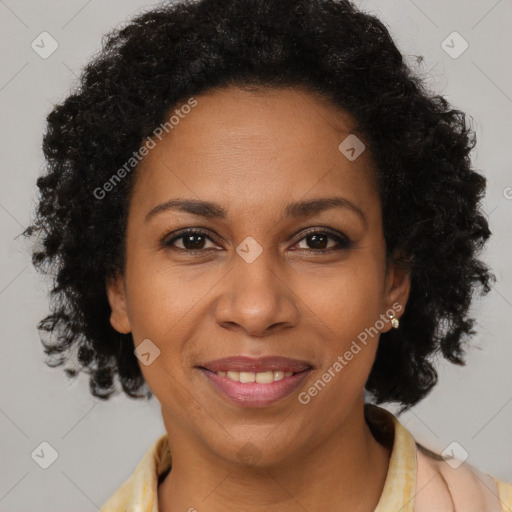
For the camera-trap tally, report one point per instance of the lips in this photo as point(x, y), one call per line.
point(250, 382)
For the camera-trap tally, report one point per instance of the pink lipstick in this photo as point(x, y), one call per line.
point(259, 382)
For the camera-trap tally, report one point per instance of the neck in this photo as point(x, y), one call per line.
point(346, 472)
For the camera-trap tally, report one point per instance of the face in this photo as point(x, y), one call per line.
point(270, 271)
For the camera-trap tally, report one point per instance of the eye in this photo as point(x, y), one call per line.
point(192, 240)
point(318, 240)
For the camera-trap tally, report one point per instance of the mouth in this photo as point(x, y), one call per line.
point(258, 382)
point(259, 377)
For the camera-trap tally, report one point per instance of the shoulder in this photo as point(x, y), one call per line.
point(420, 480)
point(505, 494)
point(459, 486)
point(140, 491)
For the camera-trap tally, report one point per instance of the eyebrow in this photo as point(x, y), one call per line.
point(298, 209)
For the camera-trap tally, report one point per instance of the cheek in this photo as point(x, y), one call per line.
point(346, 310)
point(159, 298)
point(158, 307)
point(347, 316)
point(348, 301)
point(163, 304)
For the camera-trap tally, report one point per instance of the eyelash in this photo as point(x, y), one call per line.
point(343, 241)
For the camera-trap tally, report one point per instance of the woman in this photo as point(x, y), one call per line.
point(255, 211)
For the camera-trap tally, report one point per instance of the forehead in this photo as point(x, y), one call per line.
point(257, 148)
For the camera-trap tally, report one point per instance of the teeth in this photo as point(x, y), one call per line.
point(278, 375)
point(259, 377)
point(265, 377)
point(247, 377)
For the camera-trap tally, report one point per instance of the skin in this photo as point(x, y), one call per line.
point(254, 153)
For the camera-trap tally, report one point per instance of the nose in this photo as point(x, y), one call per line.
point(257, 297)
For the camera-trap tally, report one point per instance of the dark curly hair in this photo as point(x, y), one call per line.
point(430, 195)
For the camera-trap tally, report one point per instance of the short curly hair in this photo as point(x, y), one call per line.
point(430, 195)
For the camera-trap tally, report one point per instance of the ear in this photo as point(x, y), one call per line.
point(398, 287)
point(116, 294)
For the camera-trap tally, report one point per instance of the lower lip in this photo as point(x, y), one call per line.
point(253, 394)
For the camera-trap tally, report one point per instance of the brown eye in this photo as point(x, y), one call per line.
point(191, 240)
point(318, 241)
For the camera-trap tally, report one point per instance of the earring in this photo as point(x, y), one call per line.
point(394, 321)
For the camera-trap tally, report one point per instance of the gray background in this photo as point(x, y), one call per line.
point(99, 444)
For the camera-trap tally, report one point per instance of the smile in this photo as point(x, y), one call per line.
point(259, 377)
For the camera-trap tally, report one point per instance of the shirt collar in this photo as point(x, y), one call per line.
point(400, 484)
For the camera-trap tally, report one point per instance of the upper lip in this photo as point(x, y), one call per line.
point(260, 364)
